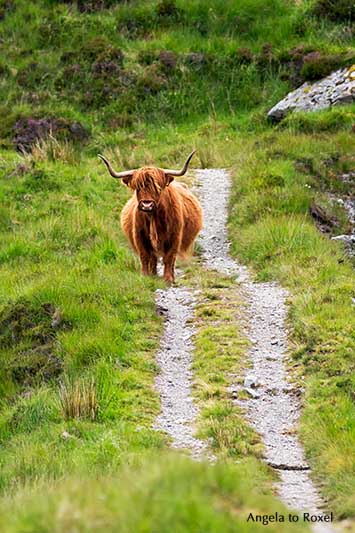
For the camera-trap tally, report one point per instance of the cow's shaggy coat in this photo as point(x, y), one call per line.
point(162, 219)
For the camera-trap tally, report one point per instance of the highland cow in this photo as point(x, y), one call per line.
point(162, 219)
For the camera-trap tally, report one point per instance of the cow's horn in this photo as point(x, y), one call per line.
point(114, 174)
point(184, 168)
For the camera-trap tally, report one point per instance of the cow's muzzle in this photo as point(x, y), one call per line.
point(146, 205)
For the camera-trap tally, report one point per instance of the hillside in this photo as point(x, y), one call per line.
point(143, 82)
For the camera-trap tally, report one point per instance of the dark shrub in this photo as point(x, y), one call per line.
point(317, 65)
point(106, 84)
point(5, 7)
point(304, 63)
point(97, 49)
point(122, 120)
point(7, 121)
point(28, 336)
point(137, 22)
point(152, 81)
point(4, 70)
point(32, 75)
point(89, 6)
point(167, 9)
point(266, 58)
point(324, 221)
point(147, 57)
point(72, 71)
point(196, 59)
point(105, 68)
point(244, 56)
point(336, 10)
point(167, 60)
point(27, 131)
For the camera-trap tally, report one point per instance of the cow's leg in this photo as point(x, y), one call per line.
point(169, 267)
point(148, 263)
point(153, 265)
point(146, 254)
point(145, 263)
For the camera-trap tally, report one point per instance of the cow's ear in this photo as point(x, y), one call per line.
point(169, 179)
point(127, 181)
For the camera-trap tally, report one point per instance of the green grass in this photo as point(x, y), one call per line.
point(63, 258)
point(185, 495)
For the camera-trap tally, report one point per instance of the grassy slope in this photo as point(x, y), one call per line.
point(61, 242)
point(271, 229)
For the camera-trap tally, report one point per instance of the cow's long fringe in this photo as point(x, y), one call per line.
point(151, 179)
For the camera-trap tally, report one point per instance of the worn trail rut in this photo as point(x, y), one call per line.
point(273, 406)
point(178, 412)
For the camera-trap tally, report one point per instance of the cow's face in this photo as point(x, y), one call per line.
point(148, 184)
point(147, 200)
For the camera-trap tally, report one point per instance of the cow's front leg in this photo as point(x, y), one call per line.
point(148, 264)
point(153, 265)
point(169, 267)
point(145, 263)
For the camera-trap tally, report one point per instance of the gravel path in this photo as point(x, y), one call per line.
point(273, 407)
point(178, 412)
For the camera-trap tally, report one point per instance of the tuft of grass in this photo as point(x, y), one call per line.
point(53, 150)
point(78, 399)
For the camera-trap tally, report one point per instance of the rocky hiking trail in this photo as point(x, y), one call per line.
point(273, 405)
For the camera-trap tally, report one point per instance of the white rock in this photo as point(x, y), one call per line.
point(338, 88)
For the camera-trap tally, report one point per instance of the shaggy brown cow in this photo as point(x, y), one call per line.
point(162, 219)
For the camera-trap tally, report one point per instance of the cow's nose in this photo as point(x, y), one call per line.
point(146, 205)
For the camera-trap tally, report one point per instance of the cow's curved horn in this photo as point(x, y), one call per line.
point(114, 174)
point(184, 168)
